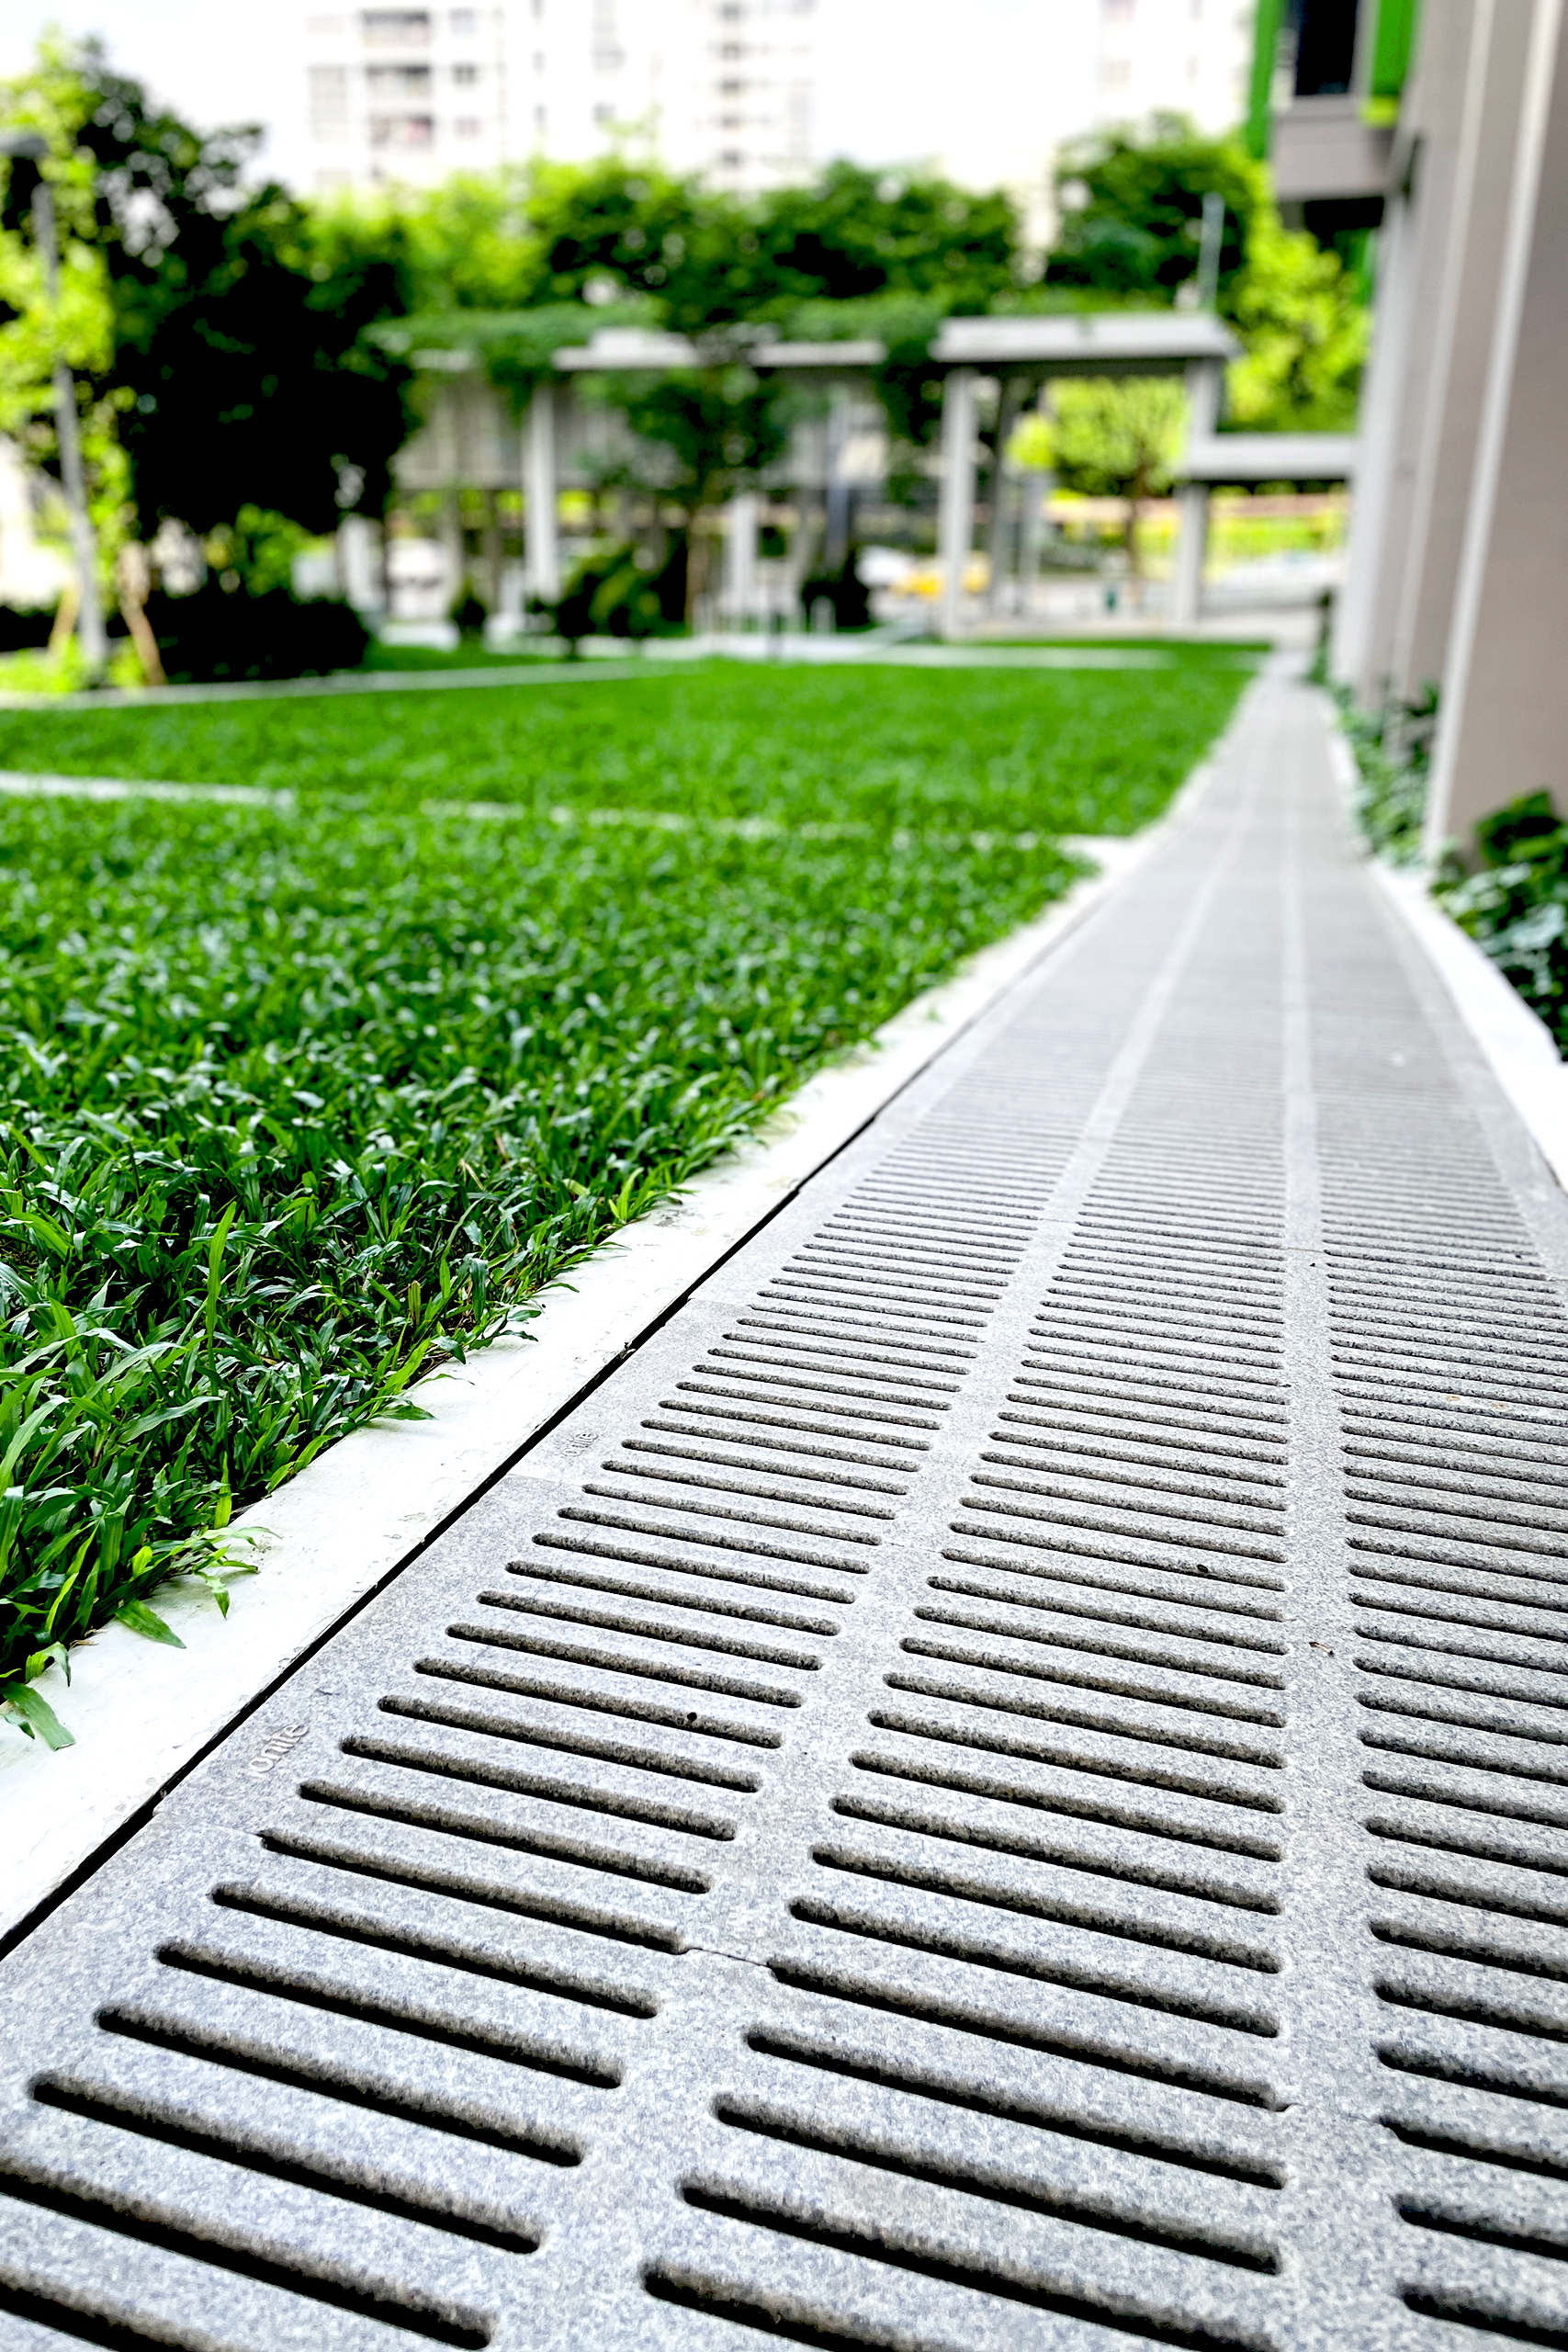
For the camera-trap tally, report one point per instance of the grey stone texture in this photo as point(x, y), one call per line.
point(1000, 1784)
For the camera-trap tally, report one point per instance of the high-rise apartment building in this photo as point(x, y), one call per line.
point(404, 93)
point(413, 91)
point(1191, 57)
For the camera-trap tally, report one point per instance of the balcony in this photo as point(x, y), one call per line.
point(1329, 72)
point(396, 27)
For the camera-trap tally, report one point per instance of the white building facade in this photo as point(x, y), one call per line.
point(411, 93)
point(753, 93)
point(1191, 57)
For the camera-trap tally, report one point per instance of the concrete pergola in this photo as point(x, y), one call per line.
point(1023, 352)
point(1211, 459)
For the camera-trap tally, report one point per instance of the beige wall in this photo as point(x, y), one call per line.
point(1493, 79)
point(1504, 722)
point(1418, 243)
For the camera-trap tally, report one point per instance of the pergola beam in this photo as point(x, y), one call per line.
point(1024, 351)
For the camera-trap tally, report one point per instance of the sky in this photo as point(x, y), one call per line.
point(902, 79)
point(213, 63)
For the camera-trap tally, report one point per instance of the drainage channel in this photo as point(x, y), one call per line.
point(1004, 1781)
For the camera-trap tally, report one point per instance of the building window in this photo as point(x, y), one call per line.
point(730, 89)
point(464, 75)
point(604, 115)
point(328, 92)
point(1116, 72)
point(538, 122)
point(464, 23)
point(324, 27)
point(1119, 11)
point(468, 126)
point(402, 130)
point(731, 159)
point(390, 82)
point(397, 28)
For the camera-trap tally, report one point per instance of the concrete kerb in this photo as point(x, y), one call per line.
point(143, 1714)
point(1515, 1042)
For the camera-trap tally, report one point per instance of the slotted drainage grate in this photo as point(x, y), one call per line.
point(1005, 1781)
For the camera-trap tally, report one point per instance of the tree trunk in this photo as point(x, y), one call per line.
point(1137, 498)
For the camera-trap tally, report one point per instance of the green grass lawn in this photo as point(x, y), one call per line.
point(1094, 752)
point(295, 1103)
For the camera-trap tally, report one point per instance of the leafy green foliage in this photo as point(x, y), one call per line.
point(1118, 437)
point(853, 233)
point(269, 634)
point(1393, 753)
point(1305, 327)
point(613, 230)
point(250, 372)
point(619, 595)
point(1131, 221)
point(234, 347)
point(502, 264)
point(1516, 905)
point(293, 1106)
point(1133, 228)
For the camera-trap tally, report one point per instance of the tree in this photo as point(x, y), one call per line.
point(851, 233)
point(1131, 216)
point(1305, 338)
point(234, 359)
point(79, 326)
point(1131, 210)
point(719, 426)
point(1118, 438)
point(613, 229)
point(252, 380)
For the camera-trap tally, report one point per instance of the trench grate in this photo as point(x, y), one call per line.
point(1004, 1781)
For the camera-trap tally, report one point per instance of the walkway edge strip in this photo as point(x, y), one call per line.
point(1516, 1043)
point(143, 1715)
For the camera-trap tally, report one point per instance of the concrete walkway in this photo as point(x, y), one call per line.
point(1000, 1783)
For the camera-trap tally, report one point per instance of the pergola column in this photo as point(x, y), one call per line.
point(541, 551)
point(956, 517)
point(836, 520)
point(740, 553)
point(1192, 549)
point(1010, 399)
point(1206, 382)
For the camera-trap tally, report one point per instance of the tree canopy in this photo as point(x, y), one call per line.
point(1131, 210)
point(1131, 215)
point(227, 344)
point(700, 257)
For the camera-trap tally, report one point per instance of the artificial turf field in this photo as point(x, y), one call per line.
point(298, 1098)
